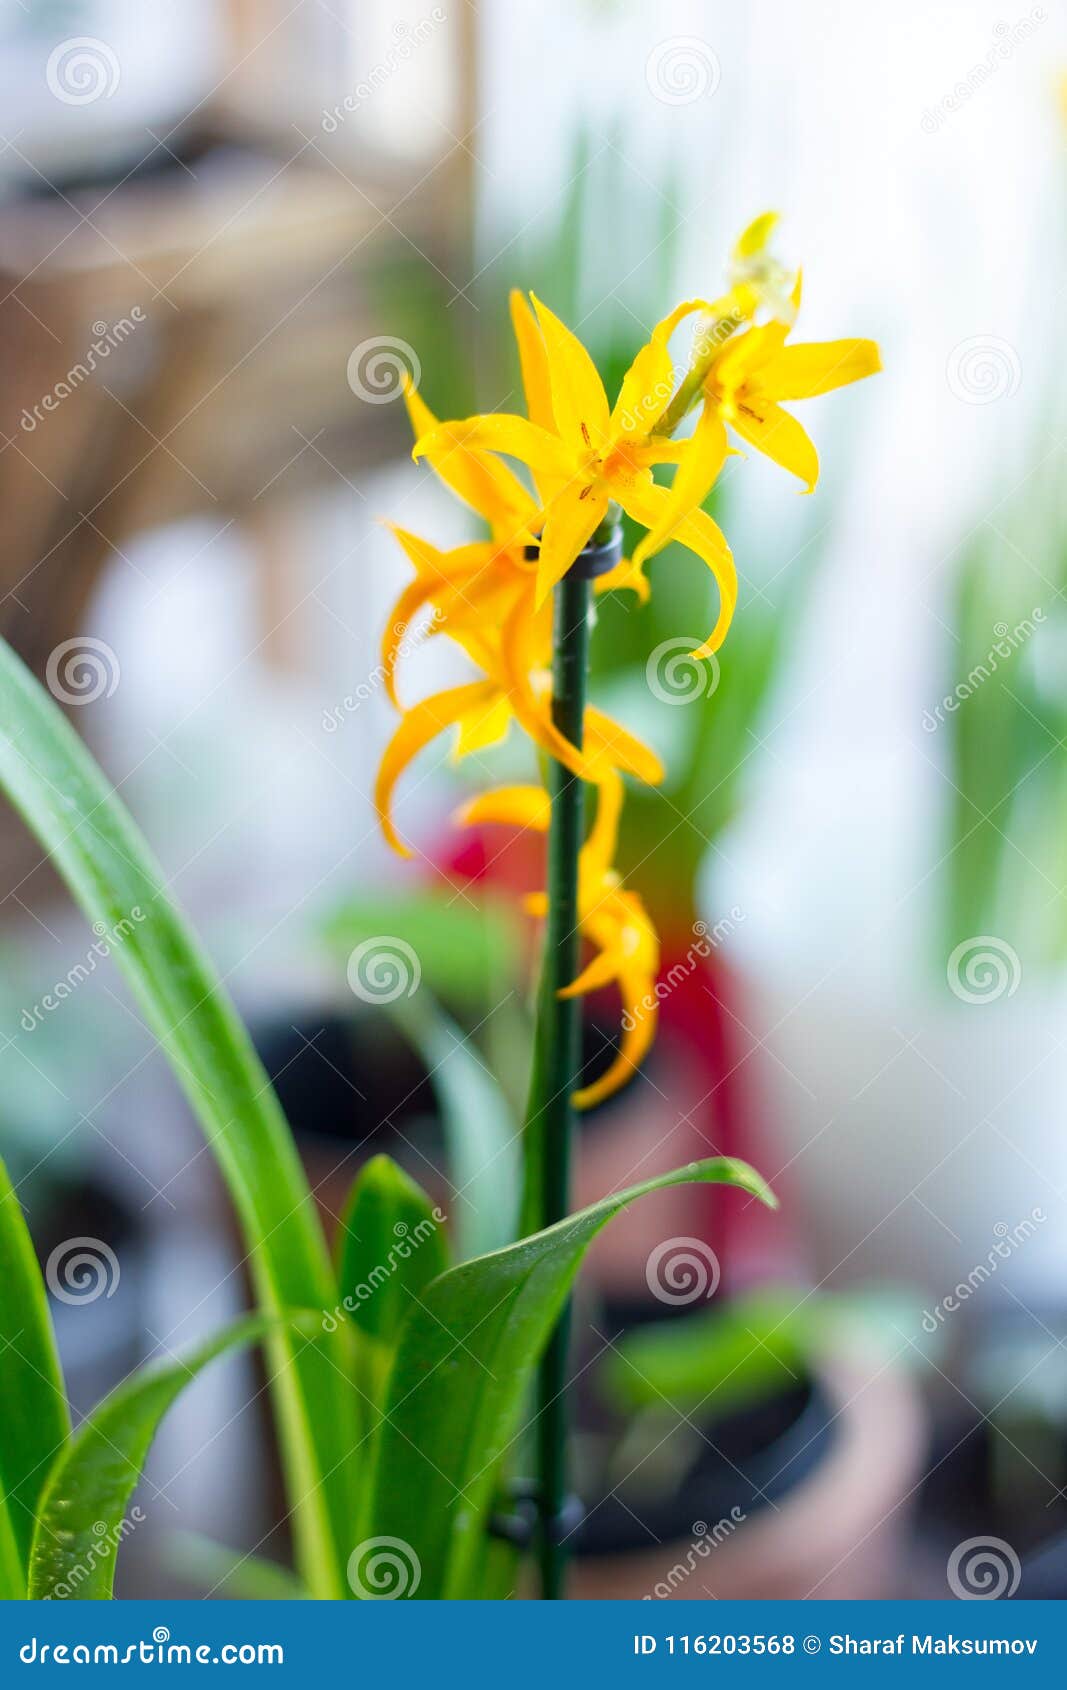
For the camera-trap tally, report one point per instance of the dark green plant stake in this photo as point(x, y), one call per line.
point(557, 1049)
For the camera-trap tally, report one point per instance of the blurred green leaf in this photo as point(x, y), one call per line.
point(484, 1143)
point(466, 956)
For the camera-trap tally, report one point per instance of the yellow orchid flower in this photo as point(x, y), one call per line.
point(593, 454)
point(743, 382)
point(612, 919)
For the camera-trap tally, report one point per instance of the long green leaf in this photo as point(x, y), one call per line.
point(66, 800)
point(81, 1520)
point(35, 1418)
point(456, 1391)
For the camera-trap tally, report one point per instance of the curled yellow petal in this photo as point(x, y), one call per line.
point(778, 436)
point(693, 480)
point(533, 362)
point(482, 482)
point(417, 729)
point(511, 806)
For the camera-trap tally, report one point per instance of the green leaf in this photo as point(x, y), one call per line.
point(81, 1520)
point(461, 953)
point(226, 1572)
point(392, 1243)
point(67, 801)
point(461, 1373)
point(35, 1418)
point(484, 1145)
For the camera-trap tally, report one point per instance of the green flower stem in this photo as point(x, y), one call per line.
point(550, 1119)
point(705, 346)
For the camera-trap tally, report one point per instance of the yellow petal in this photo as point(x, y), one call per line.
point(754, 239)
point(693, 479)
point(579, 403)
point(533, 361)
point(488, 487)
point(804, 372)
point(512, 806)
point(419, 726)
point(599, 848)
point(645, 504)
point(625, 575)
point(639, 1030)
point(500, 432)
point(779, 436)
point(485, 725)
point(570, 521)
point(645, 392)
point(608, 743)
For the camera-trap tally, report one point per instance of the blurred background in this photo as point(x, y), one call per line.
point(225, 228)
